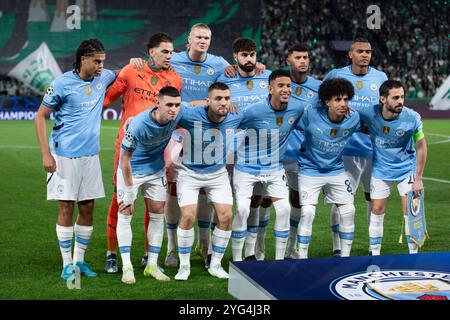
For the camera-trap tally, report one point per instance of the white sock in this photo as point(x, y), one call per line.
point(412, 246)
point(237, 243)
point(219, 242)
point(346, 228)
point(305, 230)
point(155, 234)
point(204, 213)
point(334, 216)
point(376, 233)
point(124, 238)
point(65, 235)
point(173, 209)
point(252, 232)
point(293, 221)
point(281, 227)
point(239, 227)
point(185, 240)
point(82, 238)
point(264, 216)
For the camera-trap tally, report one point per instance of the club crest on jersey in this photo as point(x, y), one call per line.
point(154, 81)
point(333, 132)
point(210, 71)
point(249, 84)
point(88, 90)
point(359, 84)
point(263, 85)
point(386, 130)
point(346, 132)
point(164, 134)
point(229, 131)
point(310, 95)
point(373, 86)
point(399, 133)
point(197, 69)
point(298, 91)
point(291, 120)
point(99, 86)
point(49, 91)
point(279, 121)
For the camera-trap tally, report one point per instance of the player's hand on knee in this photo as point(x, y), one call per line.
point(126, 209)
point(137, 63)
point(49, 163)
point(126, 206)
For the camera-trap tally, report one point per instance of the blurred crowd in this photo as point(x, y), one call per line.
point(412, 44)
point(12, 87)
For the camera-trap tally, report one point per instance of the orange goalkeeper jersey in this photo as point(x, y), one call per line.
point(140, 89)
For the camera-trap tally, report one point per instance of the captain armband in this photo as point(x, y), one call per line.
point(418, 135)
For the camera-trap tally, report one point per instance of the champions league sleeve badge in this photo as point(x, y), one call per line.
point(416, 219)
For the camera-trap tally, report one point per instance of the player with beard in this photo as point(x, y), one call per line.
point(248, 88)
point(393, 129)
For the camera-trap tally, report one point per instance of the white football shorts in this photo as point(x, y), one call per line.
point(75, 179)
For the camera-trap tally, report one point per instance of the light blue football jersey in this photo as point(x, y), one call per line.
point(394, 156)
point(266, 136)
point(321, 153)
point(305, 93)
point(77, 104)
point(147, 139)
point(206, 146)
point(197, 76)
point(247, 90)
point(367, 93)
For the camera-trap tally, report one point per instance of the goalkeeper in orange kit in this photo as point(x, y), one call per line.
point(140, 90)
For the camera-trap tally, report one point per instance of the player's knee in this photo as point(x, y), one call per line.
point(282, 210)
point(188, 219)
point(155, 206)
point(347, 214)
point(242, 208)
point(66, 208)
point(378, 208)
point(308, 212)
point(266, 202)
point(224, 219)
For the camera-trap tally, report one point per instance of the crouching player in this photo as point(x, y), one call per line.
point(142, 166)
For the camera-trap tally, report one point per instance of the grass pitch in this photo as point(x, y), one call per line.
point(30, 261)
